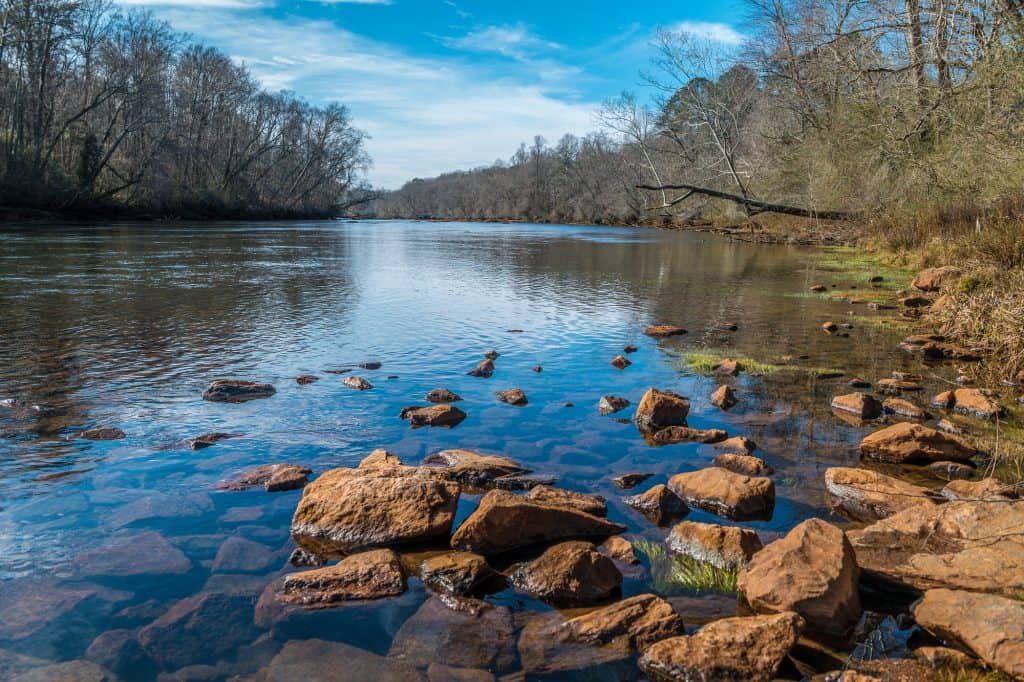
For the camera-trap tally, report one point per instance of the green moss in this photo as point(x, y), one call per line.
point(705, 363)
point(671, 574)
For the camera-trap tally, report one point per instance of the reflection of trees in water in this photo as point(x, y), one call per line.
point(107, 308)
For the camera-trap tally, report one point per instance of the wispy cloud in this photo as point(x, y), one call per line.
point(199, 4)
point(463, 14)
point(516, 41)
point(711, 30)
point(356, 2)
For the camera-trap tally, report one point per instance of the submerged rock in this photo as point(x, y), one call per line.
point(725, 493)
point(907, 443)
point(660, 409)
point(727, 547)
point(812, 571)
point(859, 404)
point(866, 495)
point(443, 416)
point(316, 659)
point(358, 383)
point(484, 369)
point(749, 649)
point(367, 575)
point(659, 504)
point(346, 510)
point(569, 573)
point(306, 379)
point(723, 398)
point(960, 545)
point(630, 480)
point(272, 477)
point(513, 396)
point(620, 362)
point(684, 434)
point(208, 439)
point(237, 391)
point(951, 471)
point(102, 433)
point(661, 331)
point(590, 504)
point(370, 365)
point(504, 521)
point(748, 465)
point(442, 395)
point(991, 627)
point(207, 626)
point(609, 404)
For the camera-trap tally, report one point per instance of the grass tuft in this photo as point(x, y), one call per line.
point(672, 574)
point(705, 363)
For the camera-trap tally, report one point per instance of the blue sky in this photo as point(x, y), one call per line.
point(448, 84)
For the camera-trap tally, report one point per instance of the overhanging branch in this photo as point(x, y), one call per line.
point(757, 204)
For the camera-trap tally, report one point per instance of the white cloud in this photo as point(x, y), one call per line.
point(711, 30)
point(356, 2)
point(425, 116)
point(511, 41)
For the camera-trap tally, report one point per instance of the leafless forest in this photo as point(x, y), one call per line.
point(910, 109)
point(103, 110)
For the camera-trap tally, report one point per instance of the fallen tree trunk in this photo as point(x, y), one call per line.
point(756, 204)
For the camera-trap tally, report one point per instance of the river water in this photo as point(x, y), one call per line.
point(124, 326)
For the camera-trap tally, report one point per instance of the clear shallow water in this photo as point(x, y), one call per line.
point(125, 326)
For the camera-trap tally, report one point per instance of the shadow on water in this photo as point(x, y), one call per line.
point(124, 326)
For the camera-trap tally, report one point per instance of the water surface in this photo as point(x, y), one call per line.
point(125, 326)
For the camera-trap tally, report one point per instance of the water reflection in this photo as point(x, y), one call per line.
point(124, 326)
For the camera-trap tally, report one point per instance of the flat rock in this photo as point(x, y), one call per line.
point(237, 391)
point(660, 409)
point(209, 439)
point(630, 480)
point(368, 575)
point(936, 279)
point(985, 489)
point(737, 444)
point(120, 652)
point(748, 465)
point(147, 553)
point(659, 504)
point(684, 434)
point(238, 555)
point(463, 574)
point(102, 433)
point(484, 369)
point(990, 626)
point(723, 398)
point(749, 649)
point(357, 383)
point(484, 640)
point(609, 404)
point(569, 573)
point(661, 331)
point(974, 546)
point(442, 395)
point(951, 471)
point(591, 504)
point(472, 469)
point(346, 510)
point(443, 415)
point(860, 405)
point(904, 408)
point(271, 477)
point(866, 495)
point(69, 671)
point(315, 659)
point(727, 547)
point(811, 571)
point(725, 493)
point(972, 402)
point(513, 396)
point(907, 443)
point(896, 386)
point(504, 521)
point(29, 605)
point(204, 627)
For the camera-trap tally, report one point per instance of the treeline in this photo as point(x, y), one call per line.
point(103, 110)
point(875, 107)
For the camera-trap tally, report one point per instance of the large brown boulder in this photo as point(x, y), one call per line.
point(861, 405)
point(605, 637)
point(684, 434)
point(659, 504)
point(443, 415)
point(504, 521)
point(811, 571)
point(459, 573)
point(472, 469)
point(236, 391)
point(591, 504)
point(569, 573)
point(367, 575)
point(990, 626)
point(725, 493)
point(728, 547)
point(865, 495)
point(346, 510)
point(935, 279)
point(907, 443)
point(660, 409)
point(738, 649)
point(974, 546)
point(973, 402)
